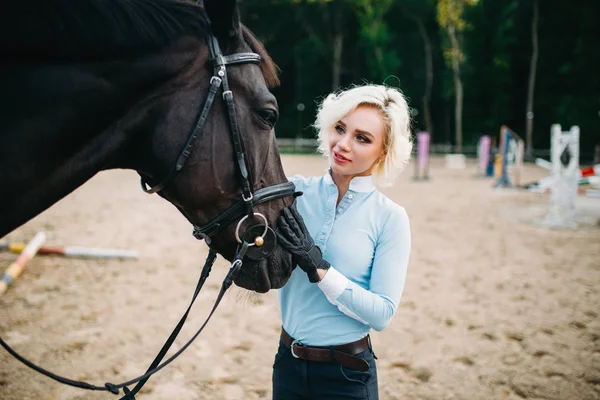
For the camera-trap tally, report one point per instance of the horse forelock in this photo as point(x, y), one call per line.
point(38, 30)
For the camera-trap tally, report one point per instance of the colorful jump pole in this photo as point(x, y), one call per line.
point(505, 149)
point(422, 164)
point(72, 251)
point(15, 269)
point(504, 181)
point(590, 171)
point(484, 154)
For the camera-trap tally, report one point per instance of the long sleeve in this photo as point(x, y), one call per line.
point(376, 305)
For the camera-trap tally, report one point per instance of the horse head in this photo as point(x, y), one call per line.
point(95, 85)
point(219, 163)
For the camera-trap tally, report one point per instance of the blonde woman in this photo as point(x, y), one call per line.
point(352, 245)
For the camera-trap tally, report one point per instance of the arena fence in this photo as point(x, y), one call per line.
point(309, 146)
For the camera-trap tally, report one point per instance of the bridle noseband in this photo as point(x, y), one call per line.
point(256, 243)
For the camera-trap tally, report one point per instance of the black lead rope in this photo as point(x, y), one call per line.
point(154, 367)
point(210, 260)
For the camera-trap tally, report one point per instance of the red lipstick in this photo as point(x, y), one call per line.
point(340, 159)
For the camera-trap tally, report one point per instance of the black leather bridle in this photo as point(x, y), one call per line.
point(244, 207)
point(255, 239)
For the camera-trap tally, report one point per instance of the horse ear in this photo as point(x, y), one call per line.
point(224, 17)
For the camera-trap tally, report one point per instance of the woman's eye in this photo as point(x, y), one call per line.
point(340, 129)
point(362, 138)
point(269, 116)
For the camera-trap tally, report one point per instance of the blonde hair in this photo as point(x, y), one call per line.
point(397, 144)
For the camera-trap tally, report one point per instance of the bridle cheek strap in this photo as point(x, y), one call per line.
point(219, 64)
point(215, 82)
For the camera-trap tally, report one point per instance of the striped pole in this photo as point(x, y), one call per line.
point(484, 153)
point(504, 180)
point(422, 163)
point(590, 171)
point(519, 162)
point(540, 162)
point(71, 251)
point(15, 269)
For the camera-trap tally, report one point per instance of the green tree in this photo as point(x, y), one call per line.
point(418, 11)
point(322, 22)
point(450, 17)
point(382, 57)
point(531, 84)
point(320, 45)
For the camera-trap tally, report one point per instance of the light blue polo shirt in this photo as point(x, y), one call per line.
point(366, 239)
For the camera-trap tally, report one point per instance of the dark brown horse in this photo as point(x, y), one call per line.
point(92, 85)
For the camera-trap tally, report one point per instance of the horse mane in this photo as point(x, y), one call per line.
point(268, 67)
point(44, 30)
point(62, 30)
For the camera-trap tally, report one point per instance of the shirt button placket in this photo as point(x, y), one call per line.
point(330, 215)
point(342, 206)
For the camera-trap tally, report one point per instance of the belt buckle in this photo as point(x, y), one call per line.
point(292, 348)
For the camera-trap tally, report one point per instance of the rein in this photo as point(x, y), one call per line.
point(156, 366)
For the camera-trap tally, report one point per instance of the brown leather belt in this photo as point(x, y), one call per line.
point(343, 354)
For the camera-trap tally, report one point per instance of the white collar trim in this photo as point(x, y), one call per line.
point(360, 184)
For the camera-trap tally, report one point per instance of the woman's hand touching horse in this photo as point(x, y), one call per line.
point(294, 237)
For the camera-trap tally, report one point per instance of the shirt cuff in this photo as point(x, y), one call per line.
point(333, 284)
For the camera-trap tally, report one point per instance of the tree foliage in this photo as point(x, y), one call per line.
point(377, 37)
point(324, 44)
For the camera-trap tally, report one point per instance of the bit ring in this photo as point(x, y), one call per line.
point(237, 228)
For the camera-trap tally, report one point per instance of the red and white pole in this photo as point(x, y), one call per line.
point(15, 269)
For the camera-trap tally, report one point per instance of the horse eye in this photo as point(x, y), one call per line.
point(268, 115)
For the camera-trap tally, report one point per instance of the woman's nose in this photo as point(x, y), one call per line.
point(344, 142)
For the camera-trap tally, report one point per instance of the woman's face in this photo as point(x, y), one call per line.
point(356, 142)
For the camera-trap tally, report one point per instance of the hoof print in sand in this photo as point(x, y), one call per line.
point(464, 360)
point(592, 377)
point(422, 374)
point(514, 335)
point(220, 375)
point(539, 353)
point(578, 325)
point(511, 359)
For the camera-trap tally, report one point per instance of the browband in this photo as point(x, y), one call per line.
point(239, 58)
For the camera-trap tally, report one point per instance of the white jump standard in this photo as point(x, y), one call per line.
point(565, 178)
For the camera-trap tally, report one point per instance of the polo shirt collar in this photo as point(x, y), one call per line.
point(360, 184)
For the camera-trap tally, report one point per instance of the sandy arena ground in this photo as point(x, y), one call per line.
point(494, 306)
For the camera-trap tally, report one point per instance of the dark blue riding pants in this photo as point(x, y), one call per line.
point(296, 379)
